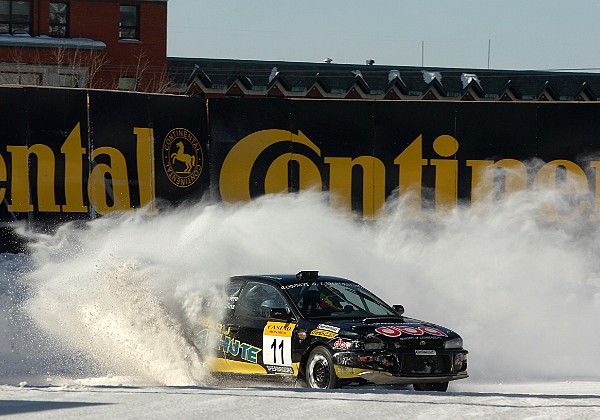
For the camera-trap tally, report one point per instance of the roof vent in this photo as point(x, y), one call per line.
point(467, 78)
point(370, 62)
point(429, 76)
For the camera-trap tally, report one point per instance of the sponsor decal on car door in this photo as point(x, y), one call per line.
point(277, 347)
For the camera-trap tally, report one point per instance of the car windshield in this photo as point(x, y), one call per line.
point(327, 299)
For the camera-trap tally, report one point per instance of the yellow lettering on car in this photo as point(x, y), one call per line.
point(323, 333)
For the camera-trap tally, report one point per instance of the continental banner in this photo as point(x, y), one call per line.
point(434, 153)
point(146, 147)
point(35, 154)
point(70, 154)
point(74, 154)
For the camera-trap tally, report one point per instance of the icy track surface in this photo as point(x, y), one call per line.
point(567, 400)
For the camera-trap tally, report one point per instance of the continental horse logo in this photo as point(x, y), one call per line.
point(182, 157)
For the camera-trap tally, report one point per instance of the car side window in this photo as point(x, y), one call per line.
point(232, 293)
point(257, 298)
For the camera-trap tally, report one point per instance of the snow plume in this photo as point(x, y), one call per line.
point(520, 290)
point(127, 290)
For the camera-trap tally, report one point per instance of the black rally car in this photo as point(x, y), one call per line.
point(328, 332)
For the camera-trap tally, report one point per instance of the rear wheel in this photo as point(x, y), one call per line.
point(320, 372)
point(432, 386)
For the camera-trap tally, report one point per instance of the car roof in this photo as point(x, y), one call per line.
point(284, 279)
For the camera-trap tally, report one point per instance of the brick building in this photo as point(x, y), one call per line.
point(103, 44)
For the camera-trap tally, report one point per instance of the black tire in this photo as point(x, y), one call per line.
point(431, 386)
point(320, 373)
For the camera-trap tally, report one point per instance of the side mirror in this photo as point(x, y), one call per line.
point(279, 313)
point(399, 309)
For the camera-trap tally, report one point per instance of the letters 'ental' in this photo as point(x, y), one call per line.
point(74, 155)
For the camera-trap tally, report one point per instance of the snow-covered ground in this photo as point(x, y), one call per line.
point(565, 400)
point(99, 321)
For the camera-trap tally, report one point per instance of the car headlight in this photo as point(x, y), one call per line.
point(460, 362)
point(455, 343)
point(374, 346)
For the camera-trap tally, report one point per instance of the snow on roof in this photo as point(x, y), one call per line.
point(357, 73)
point(430, 76)
point(467, 78)
point(274, 73)
point(394, 74)
point(45, 41)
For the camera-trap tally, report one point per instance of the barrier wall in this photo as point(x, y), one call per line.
point(76, 154)
point(438, 152)
point(73, 154)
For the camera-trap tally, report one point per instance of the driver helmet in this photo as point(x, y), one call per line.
point(331, 302)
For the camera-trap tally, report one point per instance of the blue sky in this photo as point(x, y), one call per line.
point(522, 34)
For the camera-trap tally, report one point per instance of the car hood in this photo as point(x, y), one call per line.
point(391, 329)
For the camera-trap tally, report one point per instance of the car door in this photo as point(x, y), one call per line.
point(265, 344)
point(214, 333)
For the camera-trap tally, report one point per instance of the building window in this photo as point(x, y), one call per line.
point(68, 80)
point(129, 27)
point(59, 20)
point(15, 17)
point(9, 78)
point(127, 83)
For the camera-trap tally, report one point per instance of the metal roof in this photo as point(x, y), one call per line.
point(253, 77)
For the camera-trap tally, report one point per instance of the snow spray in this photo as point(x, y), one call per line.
point(126, 290)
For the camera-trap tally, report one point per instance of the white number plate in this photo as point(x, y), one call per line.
point(277, 346)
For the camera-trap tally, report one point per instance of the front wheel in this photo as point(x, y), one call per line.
point(320, 372)
point(431, 386)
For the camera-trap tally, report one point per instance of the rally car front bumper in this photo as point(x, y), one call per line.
point(402, 367)
point(380, 378)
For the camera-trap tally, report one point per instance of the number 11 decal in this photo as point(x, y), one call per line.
point(274, 346)
point(277, 347)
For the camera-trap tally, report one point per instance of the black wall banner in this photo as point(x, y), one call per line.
point(437, 152)
point(73, 154)
point(76, 154)
point(145, 147)
point(35, 126)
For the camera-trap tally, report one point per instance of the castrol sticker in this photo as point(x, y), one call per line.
point(398, 330)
